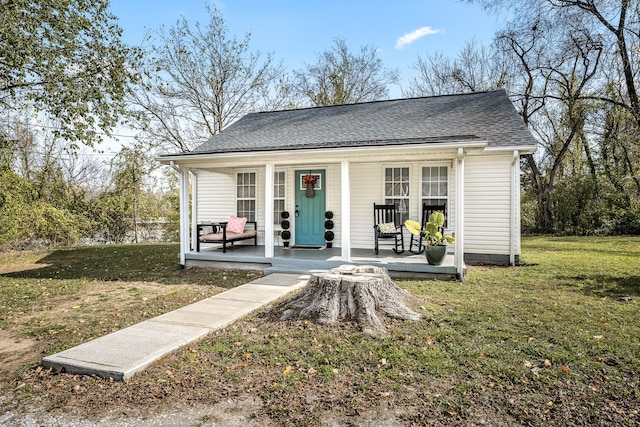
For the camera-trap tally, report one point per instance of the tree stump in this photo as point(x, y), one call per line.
point(350, 293)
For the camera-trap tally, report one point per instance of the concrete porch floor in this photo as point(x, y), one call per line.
point(302, 260)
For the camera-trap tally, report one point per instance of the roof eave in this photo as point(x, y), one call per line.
point(522, 149)
point(467, 144)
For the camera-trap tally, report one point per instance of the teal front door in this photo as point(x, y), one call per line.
point(310, 207)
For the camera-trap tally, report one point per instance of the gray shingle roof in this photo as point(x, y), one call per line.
point(486, 116)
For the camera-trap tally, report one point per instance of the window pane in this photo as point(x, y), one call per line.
point(251, 213)
point(435, 185)
point(245, 193)
point(405, 189)
point(396, 188)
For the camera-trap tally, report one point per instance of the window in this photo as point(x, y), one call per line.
point(279, 187)
point(396, 190)
point(246, 195)
point(435, 186)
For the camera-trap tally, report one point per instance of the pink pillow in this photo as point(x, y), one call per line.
point(236, 225)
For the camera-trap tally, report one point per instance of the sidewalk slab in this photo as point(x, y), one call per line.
point(121, 354)
point(200, 313)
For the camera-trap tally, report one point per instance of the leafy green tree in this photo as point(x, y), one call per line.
point(342, 77)
point(170, 210)
point(110, 214)
point(131, 168)
point(65, 59)
point(26, 219)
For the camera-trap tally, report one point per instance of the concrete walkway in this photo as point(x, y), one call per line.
point(123, 353)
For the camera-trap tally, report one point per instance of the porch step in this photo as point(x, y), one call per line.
point(300, 265)
point(282, 269)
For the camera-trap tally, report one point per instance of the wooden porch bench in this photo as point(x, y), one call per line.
point(217, 233)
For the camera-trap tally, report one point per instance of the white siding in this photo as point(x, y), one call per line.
point(333, 193)
point(366, 188)
point(216, 195)
point(487, 204)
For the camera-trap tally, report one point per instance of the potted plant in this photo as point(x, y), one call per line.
point(285, 224)
point(435, 241)
point(328, 225)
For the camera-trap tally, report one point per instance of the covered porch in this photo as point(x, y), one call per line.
point(303, 260)
point(352, 185)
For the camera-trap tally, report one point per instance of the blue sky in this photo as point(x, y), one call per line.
point(295, 31)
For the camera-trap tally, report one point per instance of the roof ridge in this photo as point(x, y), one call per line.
point(379, 101)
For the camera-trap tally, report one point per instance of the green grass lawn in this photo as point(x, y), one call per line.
point(555, 341)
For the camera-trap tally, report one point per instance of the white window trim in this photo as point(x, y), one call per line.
point(257, 189)
point(286, 194)
point(450, 218)
point(395, 166)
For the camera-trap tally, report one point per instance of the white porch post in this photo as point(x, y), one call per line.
point(459, 220)
point(346, 211)
point(184, 214)
point(194, 209)
point(268, 210)
point(515, 208)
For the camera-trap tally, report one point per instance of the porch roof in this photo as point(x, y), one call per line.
point(486, 116)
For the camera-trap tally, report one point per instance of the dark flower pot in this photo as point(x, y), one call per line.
point(435, 254)
point(329, 244)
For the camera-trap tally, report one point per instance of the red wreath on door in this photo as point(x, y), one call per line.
point(309, 181)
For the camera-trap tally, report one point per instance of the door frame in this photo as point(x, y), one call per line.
point(319, 210)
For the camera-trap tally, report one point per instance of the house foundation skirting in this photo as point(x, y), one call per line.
point(310, 260)
point(489, 259)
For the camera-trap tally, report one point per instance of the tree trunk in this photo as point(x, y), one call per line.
point(350, 293)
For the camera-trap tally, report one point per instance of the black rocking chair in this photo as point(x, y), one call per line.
point(385, 226)
point(427, 210)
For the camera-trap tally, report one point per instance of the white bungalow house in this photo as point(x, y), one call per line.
point(461, 151)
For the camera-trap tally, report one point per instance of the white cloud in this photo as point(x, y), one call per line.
point(414, 35)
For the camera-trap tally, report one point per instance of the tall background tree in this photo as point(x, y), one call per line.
point(570, 66)
point(199, 79)
point(342, 77)
point(64, 77)
point(40, 199)
point(129, 209)
point(65, 60)
point(476, 68)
